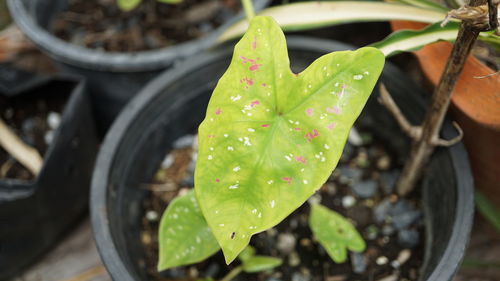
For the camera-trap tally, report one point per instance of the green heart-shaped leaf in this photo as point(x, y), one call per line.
point(270, 137)
point(184, 235)
point(335, 233)
point(260, 263)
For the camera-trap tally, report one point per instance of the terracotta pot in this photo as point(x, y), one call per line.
point(475, 106)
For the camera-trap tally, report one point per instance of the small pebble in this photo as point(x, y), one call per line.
point(286, 242)
point(54, 120)
point(408, 238)
point(382, 260)
point(365, 189)
point(403, 256)
point(193, 272)
point(49, 137)
point(315, 199)
point(152, 215)
point(300, 277)
point(212, 270)
point(293, 259)
point(388, 181)
point(393, 277)
point(349, 175)
point(358, 262)
point(336, 278)
point(184, 142)
point(304, 242)
point(388, 230)
point(271, 232)
point(381, 211)
point(348, 201)
point(404, 220)
point(354, 137)
point(384, 162)
point(167, 162)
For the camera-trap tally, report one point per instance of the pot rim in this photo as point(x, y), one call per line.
point(462, 223)
point(72, 54)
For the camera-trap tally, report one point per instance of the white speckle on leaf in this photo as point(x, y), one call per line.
point(268, 110)
point(251, 130)
point(305, 181)
point(249, 114)
point(270, 181)
point(234, 186)
point(366, 72)
point(238, 97)
point(297, 122)
point(337, 84)
point(211, 149)
point(216, 211)
point(273, 203)
point(327, 146)
point(211, 119)
point(254, 211)
point(221, 224)
point(338, 64)
point(302, 170)
point(230, 148)
point(226, 135)
point(175, 216)
point(357, 77)
point(240, 139)
point(280, 75)
point(247, 142)
point(316, 155)
point(236, 169)
point(210, 157)
point(323, 159)
point(260, 215)
point(291, 121)
point(309, 86)
point(288, 158)
point(324, 68)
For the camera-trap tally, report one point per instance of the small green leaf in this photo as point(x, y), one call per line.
point(128, 5)
point(246, 254)
point(488, 210)
point(260, 263)
point(170, 1)
point(335, 233)
point(271, 138)
point(184, 237)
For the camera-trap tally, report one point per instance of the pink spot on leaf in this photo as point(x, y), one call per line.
point(247, 81)
point(211, 136)
point(254, 103)
point(335, 109)
point(253, 63)
point(264, 125)
point(287, 179)
point(254, 43)
point(297, 129)
point(331, 126)
point(309, 111)
point(301, 159)
point(218, 111)
point(312, 135)
point(217, 180)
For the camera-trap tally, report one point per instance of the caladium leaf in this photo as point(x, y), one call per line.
point(184, 235)
point(270, 137)
point(335, 233)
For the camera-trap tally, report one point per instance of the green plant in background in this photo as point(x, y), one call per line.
point(270, 139)
point(330, 13)
point(128, 5)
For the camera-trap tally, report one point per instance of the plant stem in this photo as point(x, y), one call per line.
point(248, 7)
point(423, 147)
point(233, 273)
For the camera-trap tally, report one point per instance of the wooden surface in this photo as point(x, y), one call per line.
point(74, 259)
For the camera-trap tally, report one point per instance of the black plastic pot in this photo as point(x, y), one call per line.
point(174, 105)
point(113, 78)
point(34, 214)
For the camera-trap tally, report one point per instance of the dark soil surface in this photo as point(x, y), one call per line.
point(34, 120)
point(100, 24)
point(360, 188)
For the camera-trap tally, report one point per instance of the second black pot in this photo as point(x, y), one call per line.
point(174, 104)
point(113, 78)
